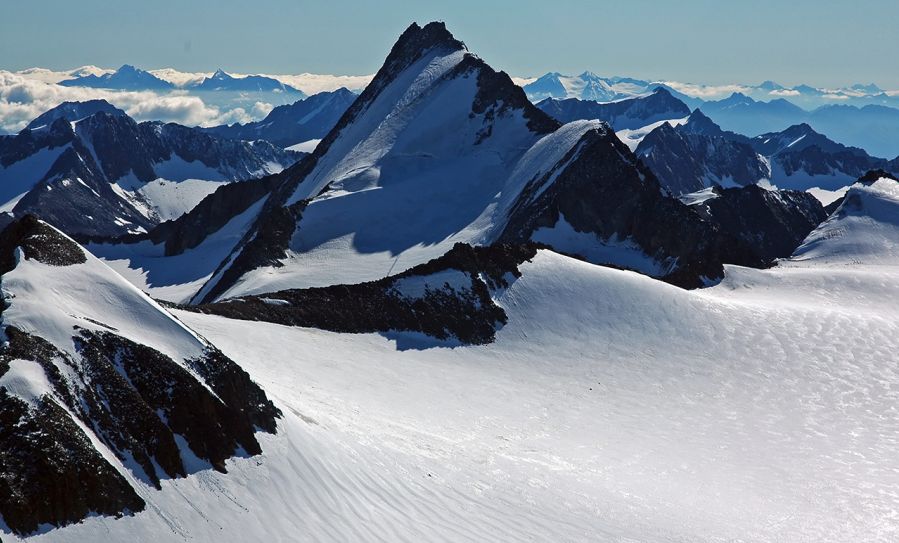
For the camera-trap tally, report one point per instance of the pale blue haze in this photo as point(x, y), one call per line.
point(823, 42)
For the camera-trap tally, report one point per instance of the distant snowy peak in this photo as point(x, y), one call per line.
point(125, 78)
point(624, 114)
point(770, 86)
point(101, 385)
point(586, 86)
point(222, 81)
point(305, 120)
point(802, 158)
point(796, 138)
point(74, 111)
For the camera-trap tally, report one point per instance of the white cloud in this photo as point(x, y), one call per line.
point(179, 78)
point(306, 82)
point(24, 96)
point(785, 92)
point(50, 76)
point(706, 92)
point(316, 83)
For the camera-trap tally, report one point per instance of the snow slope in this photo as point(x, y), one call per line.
point(52, 301)
point(637, 412)
point(373, 190)
point(863, 230)
point(175, 278)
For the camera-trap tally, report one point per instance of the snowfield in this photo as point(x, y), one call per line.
point(612, 407)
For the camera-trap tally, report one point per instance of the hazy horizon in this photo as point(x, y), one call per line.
point(696, 41)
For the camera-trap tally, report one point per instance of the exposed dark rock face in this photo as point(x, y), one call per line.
point(75, 196)
point(690, 157)
point(265, 245)
point(136, 400)
point(38, 242)
point(149, 383)
point(498, 94)
point(308, 119)
point(49, 470)
point(699, 154)
point(623, 114)
point(873, 175)
point(772, 223)
point(27, 142)
point(462, 311)
point(606, 191)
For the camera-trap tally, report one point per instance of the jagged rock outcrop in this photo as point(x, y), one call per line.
point(772, 222)
point(604, 190)
point(90, 364)
point(447, 298)
point(697, 154)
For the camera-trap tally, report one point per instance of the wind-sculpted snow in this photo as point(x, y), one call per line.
point(611, 407)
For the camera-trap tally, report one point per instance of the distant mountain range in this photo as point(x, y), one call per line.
point(287, 125)
point(221, 81)
point(699, 154)
point(125, 78)
point(874, 128)
point(130, 78)
point(629, 113)
point(105, 174)
point(589, 86)
point(862, 115)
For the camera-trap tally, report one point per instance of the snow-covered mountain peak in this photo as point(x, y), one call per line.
point(74, 111)
point(439, 149)
point(864, 229)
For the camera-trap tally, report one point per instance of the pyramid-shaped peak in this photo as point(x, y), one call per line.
point(418, 39)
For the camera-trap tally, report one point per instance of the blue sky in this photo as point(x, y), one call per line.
point(823, 42)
